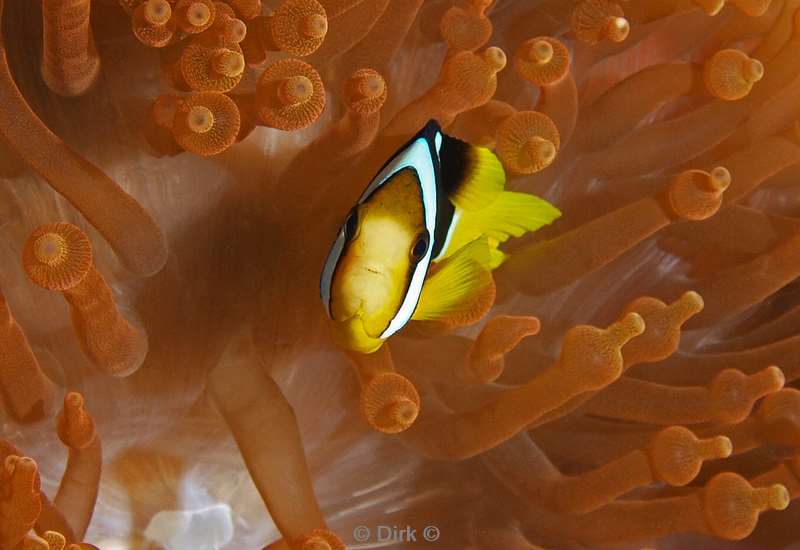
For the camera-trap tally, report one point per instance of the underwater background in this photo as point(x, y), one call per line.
point(173, 175)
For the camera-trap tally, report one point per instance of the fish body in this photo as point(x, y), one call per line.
point(422, 240)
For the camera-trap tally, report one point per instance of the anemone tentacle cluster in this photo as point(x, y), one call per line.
point(177, 170)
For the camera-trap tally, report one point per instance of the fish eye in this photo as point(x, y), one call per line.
point(420, 247)
point(351, 224)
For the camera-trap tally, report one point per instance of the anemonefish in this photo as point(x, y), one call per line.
point(440, 201)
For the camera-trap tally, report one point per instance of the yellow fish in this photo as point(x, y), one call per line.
point(438, 200)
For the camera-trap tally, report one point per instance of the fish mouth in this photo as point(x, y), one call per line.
point(351, 333)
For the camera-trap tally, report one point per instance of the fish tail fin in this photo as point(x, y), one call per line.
point(511, 214)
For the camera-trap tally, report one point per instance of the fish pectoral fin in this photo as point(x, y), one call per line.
point(462, 290)
point(472, 176)
point(510, 215)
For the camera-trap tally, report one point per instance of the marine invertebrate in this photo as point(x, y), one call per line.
point(24, 506)
point(59, 257)
point(206, 123)
point(27, 392)
point(466, 28)
point(70, 62)
point(290, 95)
point(595, 20)
point(675, 169)
point(297, 27)
point(140, 244)
point(195, 16)
point(153, 23)
point(730, 74)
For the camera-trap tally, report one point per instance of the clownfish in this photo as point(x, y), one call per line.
point(422, 240)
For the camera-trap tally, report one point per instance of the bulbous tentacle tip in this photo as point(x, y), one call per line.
point(235, 30)
point(54, 540)
point(539, 51)
point(596, 20)
point(540, 151)
point(57, 256)
point(290, 95)
point(696, 194)
point(315, 26)
point(206, 123)
point(200, 119)
point(23, 470)
point(527, 142)
point(677, 455)
point(198, 14)
point(229, 63)
point(466, 28)
point(732, 505)
point(730, 74)
point(295, 90)
point(76, 427)
point(733, 393)
point(157, 12)
point(365, 91)
point(319, 539)
point(390, 403)
point(711, 7)
point(542, 60)
point(153, 23)
point(627, 328)
point(688, 305)
point(495, 57)
point(618, 29)
point(298, 27)
point(664, 323)
point(591, 357)
point(211, 69)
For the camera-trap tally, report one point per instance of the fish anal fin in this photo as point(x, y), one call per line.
point(462, 290)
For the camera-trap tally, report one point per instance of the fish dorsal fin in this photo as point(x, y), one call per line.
point(472, 177)
point(462, 290)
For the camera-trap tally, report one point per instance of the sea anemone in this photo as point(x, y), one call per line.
point(173, 175)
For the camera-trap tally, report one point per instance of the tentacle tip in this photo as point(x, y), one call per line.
point(618, 29)
point(630, 326)
point(200, 119)
point(390, 403)
point(198, 14)
point(775, 379)
point(692, 302)
point(236, 30)
point(720, 447)
point(711, 7)
point(75, 426)
point(719, 179)
point(157, 12)
point(496, 58)
point(57, 256)
point(320, 539)
point(315, 26)
point(540, 52)
point(778, 497)
point(296, 90)
point(229, 63)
